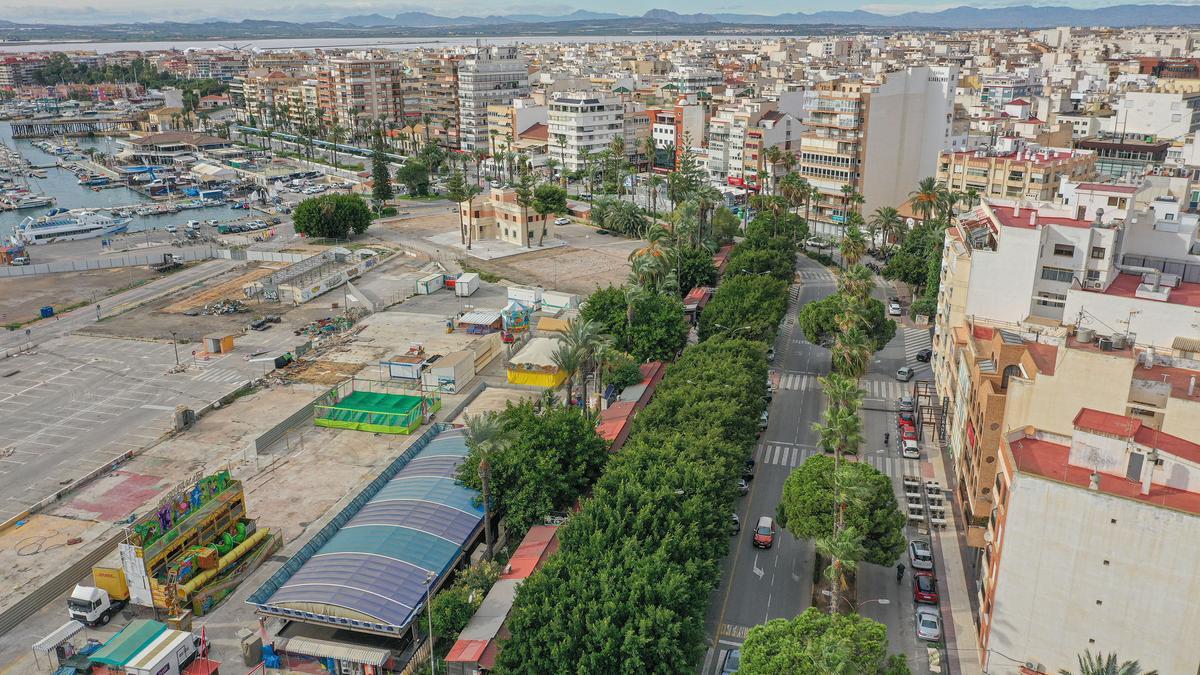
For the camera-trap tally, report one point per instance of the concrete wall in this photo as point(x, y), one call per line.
point(1082, 379)
point(1158, 323)
point(1002, 281)
point(908, 126)
point(1078, 565)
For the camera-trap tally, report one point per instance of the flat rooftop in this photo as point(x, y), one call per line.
point(1050, 460)
point(1126, 286)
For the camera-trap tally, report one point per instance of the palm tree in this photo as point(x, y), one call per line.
point(336, 135)
point(886, 220)
point(656, 238)
point(426, 120)
point(585, 158)
point(486, 435)
point(653, 184)
point(855, 282)
point(561, 141)
point(1099, 664)
point(446, 131)
point(854, 245)
point(617, 147)
point(971, 196)
point(584, 336)
point(773, 155)
point(844, 549)
point(852, 351)
point(479, 155)
point(925, 198)
point(524, 194)
point(551, 165)
point(626, 218)
point(567, 359)
point(651, 151)
point(842, 392)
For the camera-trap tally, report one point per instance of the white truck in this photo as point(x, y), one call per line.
point(96, 605)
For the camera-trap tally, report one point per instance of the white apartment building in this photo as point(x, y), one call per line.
point(1158, 114)
point(488, 76)
point(1092, 545)
point(739, 134)
point(695, 79)
point(584, 121)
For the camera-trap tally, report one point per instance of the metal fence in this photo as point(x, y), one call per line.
point(106, 262)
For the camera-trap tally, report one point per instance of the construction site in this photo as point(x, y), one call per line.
point(206, 405)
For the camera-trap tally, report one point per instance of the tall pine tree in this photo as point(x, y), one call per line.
point(381, 177)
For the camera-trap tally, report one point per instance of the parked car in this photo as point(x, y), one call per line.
point(743, 486)
point(276, 220)
point(764, 419)
point(586, 196)
point(602, 232)
point(905, 403)
point(764, 532)
point(562, 221)
point(929, 624)
point(904, 374)
point(920, 555)
point(905, 419)
point(733, 661)
point(894, 309)
point(770, 353)
point(735, 524)
point(925, 588)
point(910, 450)
point(925, 355)
point(908, 434)
point(816, 242)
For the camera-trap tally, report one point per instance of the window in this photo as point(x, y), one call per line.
point(1093, 275)
point(1050, 300)
point(1057, 274)
point(1064, 250)
point(1098, 252)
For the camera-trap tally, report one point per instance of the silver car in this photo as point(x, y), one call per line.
point(929, 624)
point(920, 555)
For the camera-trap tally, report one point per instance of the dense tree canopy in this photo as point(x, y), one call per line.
point(649, 326)
point(696, 269)
point(816, 643)
point(59, 68)
point(628, 589)
point(807, 506)
point(414, 175)
point(549, 459)
point(818, 321)
point(745, 306)
point(381, 179)
point(332, 216)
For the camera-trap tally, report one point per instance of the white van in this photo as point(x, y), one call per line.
point(910, 450)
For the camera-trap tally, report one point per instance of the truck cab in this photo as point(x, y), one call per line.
point(92, 605)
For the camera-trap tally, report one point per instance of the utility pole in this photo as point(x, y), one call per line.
point(175, 344)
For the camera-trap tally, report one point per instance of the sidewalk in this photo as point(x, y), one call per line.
point(958, 626)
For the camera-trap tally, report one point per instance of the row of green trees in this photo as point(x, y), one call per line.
point(628, 588)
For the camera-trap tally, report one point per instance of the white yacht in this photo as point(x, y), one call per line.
point(62, 225)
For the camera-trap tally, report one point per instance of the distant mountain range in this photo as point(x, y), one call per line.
point(1022, 16)
point(584, 22)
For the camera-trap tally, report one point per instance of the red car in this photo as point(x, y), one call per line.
point(906, 419)
point(908, 434)
point(925, 588)
point(764, 532)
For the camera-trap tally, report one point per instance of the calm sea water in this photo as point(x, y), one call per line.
point(313, 43)
point(63, 184)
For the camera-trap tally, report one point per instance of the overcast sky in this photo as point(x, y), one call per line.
point(101, 11)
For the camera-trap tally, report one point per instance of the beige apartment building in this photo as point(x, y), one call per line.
point(1015, 170)
point(436, 78)
point(878, 136)
point(367, 88)
point(498, 216)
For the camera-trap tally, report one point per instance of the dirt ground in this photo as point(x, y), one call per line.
point(23, 297)
point(230, 289)
point(156, 320)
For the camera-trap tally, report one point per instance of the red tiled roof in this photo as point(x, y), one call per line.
point(1051, 460)
point(1126, 285)
point(1019, 101)
point(537, 132)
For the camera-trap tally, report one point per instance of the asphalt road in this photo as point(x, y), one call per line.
point(757, 585)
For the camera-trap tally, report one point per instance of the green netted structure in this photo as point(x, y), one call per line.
point(369, 409)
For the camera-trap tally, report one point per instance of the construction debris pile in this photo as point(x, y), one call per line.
point(331, 325)
point(226, 307)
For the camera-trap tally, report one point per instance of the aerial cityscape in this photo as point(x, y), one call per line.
point(461, 339)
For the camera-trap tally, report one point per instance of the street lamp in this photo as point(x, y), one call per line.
point(175, 344)
point(858, 606)
point(429, 610)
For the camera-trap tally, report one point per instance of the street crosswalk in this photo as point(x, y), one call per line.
point(915, 339)
point(219, 375)
point(815, 275)
point(791, 456)
point(882, 389)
